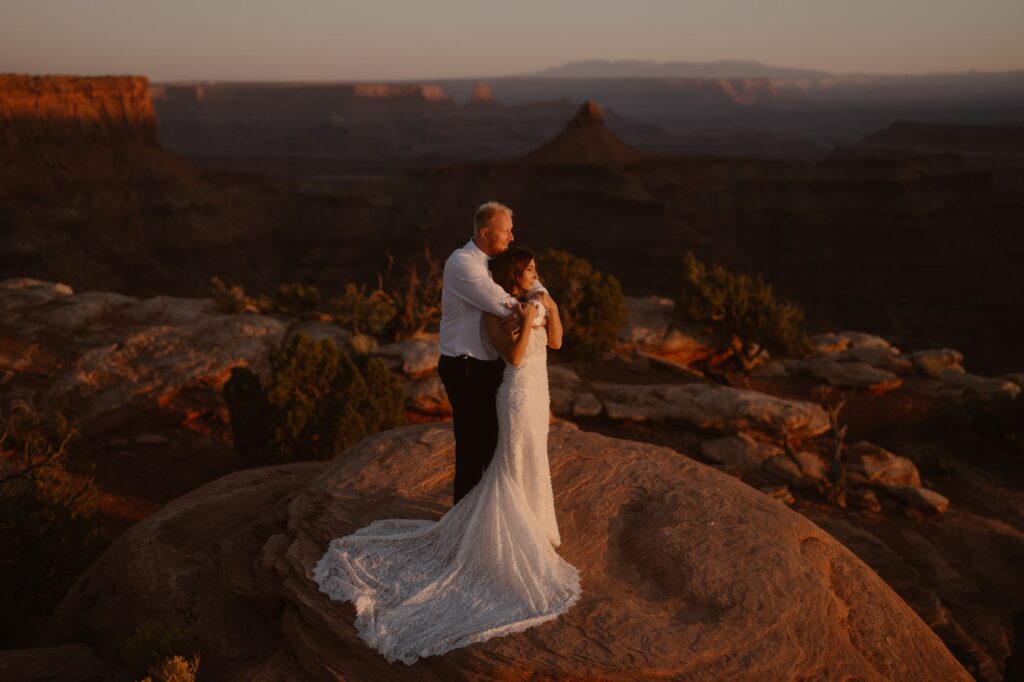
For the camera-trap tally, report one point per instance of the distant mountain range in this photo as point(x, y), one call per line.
point(646, 68)
point(723, 68)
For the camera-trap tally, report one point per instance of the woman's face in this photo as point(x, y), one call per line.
point(529, 276)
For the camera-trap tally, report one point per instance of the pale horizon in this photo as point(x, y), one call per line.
point(330, 41)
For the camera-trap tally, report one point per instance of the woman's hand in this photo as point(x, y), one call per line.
point(529, 312)
point(545, 299)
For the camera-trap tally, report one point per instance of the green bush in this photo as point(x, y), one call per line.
point(740, 307)
point(590, 303)
point(365, 310)
point(295, 299)
point(317, 401)
point(152, 645)
point(47, 525)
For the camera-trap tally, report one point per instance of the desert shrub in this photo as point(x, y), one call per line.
point(228, 299)
point(49, 534)
point(295, 299)
point(741, 309)
point(592, 306)
point(233, 299)
point(417, 300)
point(317, 401)
point(365, 310)
point(152, 645)
point(174, 669)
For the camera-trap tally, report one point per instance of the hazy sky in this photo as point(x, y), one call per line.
point(428, 39)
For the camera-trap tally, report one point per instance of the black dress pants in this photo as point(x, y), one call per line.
point(472, 388)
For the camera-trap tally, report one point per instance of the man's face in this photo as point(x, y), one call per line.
point(497, 236)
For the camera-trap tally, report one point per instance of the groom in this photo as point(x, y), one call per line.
point(470, 367)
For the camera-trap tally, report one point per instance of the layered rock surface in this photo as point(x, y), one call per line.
point(687, 573)
point(72, 110)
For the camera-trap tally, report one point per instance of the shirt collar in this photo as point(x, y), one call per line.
point(476, 250)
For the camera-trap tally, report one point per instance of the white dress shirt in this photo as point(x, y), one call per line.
point(468, 292)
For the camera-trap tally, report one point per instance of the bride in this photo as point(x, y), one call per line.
point(488, 567)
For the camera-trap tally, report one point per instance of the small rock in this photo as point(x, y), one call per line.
point(870, 464)
point(418, 356)
point(865, 340)
point(652, 328)
point(779, 492)
point(812, 464)
point(881, 358)
point(739, 450)
point(829, 342)
point(863, 498)
point(569, 396)
point(773, 369)
point(151, 439)
point(851, 374)
point(920, 498)
point(587, 405)
point(932, 361)
point(985, 386)
point(783, 466)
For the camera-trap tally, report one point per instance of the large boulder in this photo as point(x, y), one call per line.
point(103, 351)
point(846, 373)
point(712, 406)
point(687, 574)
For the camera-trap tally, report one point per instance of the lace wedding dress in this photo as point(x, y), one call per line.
point(486, 568)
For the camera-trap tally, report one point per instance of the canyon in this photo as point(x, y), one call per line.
point(120, 199)
point(922, 248)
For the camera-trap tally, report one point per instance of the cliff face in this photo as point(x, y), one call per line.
point(88, 195)
point(37, 110)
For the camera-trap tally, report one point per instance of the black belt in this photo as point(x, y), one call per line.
point(467, 357)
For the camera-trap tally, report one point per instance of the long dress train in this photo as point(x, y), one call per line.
point(486, 568)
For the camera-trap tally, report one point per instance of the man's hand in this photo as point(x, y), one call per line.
point(545, 299)
point(512, 323)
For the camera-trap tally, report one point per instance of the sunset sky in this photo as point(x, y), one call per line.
point(433, 39)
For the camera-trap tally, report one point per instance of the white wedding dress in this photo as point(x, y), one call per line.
point(486, 568)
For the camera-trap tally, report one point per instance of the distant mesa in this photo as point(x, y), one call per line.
point(586, 141)
point(108, 110)
point(427, 93)
point(634, 68)
point(482, 95)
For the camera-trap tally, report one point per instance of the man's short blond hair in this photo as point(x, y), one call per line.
point(486, 212)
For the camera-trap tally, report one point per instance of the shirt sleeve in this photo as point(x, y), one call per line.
point(473, 284)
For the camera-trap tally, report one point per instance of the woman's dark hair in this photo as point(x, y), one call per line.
point(507, 269)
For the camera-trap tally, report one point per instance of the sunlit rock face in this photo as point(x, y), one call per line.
point(37, 110)
point(687, 573)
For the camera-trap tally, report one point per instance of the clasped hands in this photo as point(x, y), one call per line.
point(526, 312)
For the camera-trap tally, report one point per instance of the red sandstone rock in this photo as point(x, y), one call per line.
point(687, 573)
point(586, 142)
point(71, 109)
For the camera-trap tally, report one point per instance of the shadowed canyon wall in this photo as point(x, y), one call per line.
point(923, 249)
